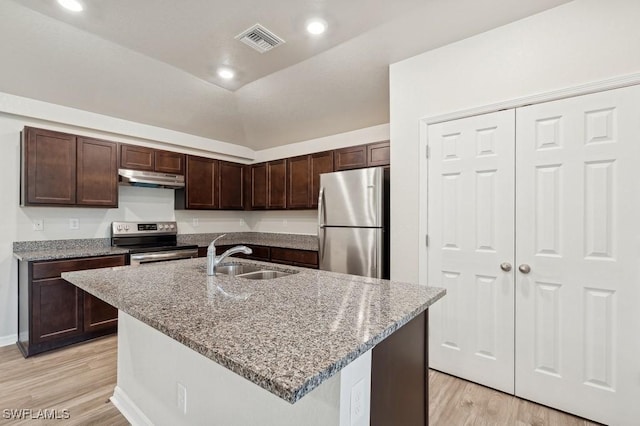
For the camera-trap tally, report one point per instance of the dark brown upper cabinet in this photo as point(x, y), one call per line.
point(169, 162)
point(303, 178)
point(378, 154)
point(151, 160)
point(299, 182)
point(258, 186)
point(201, 185)
point(97, 173)
point(269, 185)
point(63, 169)
point(277, 184)
point(357, 157)
point(321, 162)
point(137, 158)
point(353, 157)
point(49, 167)
point(231, 185)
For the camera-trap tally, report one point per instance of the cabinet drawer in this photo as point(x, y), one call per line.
point(294, 257)
point(52, 269)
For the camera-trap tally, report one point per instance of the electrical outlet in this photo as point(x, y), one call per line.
point(38, 225)
point(74, 223)
point(284, 222)
point(196, 222)
point(357, 402)
point(182, 397)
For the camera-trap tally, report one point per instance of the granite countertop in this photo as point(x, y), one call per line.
point(287, 334)
point(90, 247)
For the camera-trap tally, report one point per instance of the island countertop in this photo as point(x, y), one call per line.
point(286, 335)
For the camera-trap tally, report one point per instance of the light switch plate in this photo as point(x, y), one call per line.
point(74, 223)
point(38, 224)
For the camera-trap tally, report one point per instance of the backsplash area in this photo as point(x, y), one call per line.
point(140, 204)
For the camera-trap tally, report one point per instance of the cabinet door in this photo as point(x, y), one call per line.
point(321, 162)
point(354, 157)
point(259, 186)
point(378, 154)
point(298, 182)
point(304, 258)
point(201, 183)
point(471, 232)
point(277, 184)
point(169, 162)
point(137, 158)
point(49, 167)
point(56, 310)
point(98, 315)
point(97, 173)
point(231, 186)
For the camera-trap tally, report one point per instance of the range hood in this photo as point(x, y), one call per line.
point(150, 179)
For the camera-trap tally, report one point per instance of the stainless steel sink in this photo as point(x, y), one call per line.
point(236, 268)
point(264, 275)
point(251, 272)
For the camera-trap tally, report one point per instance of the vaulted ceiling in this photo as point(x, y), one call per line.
point(156, 61)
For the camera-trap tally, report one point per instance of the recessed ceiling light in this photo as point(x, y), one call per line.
point(72, 5)
point(316, 26)
point(226, 73)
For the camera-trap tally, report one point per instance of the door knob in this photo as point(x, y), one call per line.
point(524, 268)
point(505, 266)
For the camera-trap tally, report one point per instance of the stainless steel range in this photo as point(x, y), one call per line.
point(150, 241)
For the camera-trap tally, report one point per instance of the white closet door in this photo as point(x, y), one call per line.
point(578, 228)
point(471, 231)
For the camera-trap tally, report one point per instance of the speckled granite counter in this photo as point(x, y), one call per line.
point(287, 335)
point(67, 249)
point(64, 249)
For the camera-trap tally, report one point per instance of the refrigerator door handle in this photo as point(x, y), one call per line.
point(321, 212)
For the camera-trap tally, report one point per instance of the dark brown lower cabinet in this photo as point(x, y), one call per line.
point(53, 313)
point(399, 381)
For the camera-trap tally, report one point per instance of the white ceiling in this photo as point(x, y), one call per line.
point(155, 61)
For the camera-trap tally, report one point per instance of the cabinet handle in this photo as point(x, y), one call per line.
point(505, 266)
point(524, 268)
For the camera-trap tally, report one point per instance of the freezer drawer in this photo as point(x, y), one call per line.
point(356, 251)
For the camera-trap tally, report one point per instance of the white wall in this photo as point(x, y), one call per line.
point(580, 42)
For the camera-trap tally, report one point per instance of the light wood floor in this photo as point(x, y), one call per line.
point(81, 379)
point(453, 401)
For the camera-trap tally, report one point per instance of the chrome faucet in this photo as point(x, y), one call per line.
point(213, 260)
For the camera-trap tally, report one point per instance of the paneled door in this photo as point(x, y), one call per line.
point(577, 250)
point(471, 248)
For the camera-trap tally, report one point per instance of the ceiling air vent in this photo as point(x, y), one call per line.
point(259, 38)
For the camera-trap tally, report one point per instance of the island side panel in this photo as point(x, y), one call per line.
point(399, 376)
point(151, 364)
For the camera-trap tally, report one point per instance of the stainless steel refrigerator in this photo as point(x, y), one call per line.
point(353, 213)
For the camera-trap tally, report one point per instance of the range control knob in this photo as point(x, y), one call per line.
point(126, 227)
point(172, 226)
point(119, 228)
point(162, 226)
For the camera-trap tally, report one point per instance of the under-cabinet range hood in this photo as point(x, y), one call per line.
point(150, 179)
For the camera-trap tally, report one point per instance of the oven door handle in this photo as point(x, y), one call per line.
point(153, 257)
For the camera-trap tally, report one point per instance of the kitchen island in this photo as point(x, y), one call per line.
point(290, 350)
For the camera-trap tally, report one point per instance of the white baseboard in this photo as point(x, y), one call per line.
point(128, 408)
point(11, 339)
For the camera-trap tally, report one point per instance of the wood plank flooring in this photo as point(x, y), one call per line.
point(81, 379)
point(454, 401)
